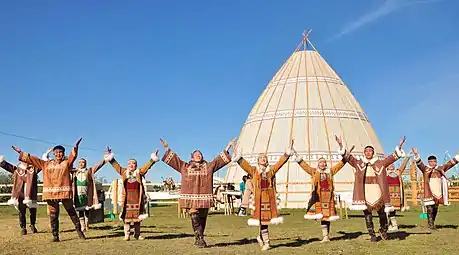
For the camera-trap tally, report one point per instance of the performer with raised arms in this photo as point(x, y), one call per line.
point(84, 190)
point(435, 187)
point(371, 190)
point(57, 184)
point(397, 196)
point(24, 193)
point(197, 184)
point(265, 198)
point(133, 209)
point(321, 206)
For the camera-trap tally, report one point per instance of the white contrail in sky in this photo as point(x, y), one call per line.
point(388, 7)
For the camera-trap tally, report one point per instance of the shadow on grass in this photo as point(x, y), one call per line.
point(297, 243)
point(170, 236)
point(147, 226)
point(406, 226)
point(402, 235)
point(238, 242)
point(375, 216)
point(106, 227)
point(347, 235)
point(112, 235)
point(447, 226)
point(356, 216)
point(67, 231)
point(113, 228)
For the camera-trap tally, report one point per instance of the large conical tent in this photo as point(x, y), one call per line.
point(308, 102)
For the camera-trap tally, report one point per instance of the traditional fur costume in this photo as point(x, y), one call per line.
point(265, 200)
point(24, 193)
point(435, 192)
point(371, 190)
point(197, 187)
point(321, 205)
point(396, 192)
point(85, 192)
point(57, 187)
point(133, 210)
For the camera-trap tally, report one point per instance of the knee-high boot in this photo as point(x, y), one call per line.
point(196, 224)
point(383, 224)
point(68, 205)
point(82, 222)
point(54, 221)
point(434, 212)
point(430, 217)
point(22, 218)
point(33, 219)
point(127, 231)
point(202, 222)
point(137, 231)
point(325, 231)
point(264, 232)
point(370, 226)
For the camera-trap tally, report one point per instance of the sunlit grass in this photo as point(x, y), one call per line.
point(166, 234)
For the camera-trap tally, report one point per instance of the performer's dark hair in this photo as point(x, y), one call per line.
point(432, 157)
point(59, 148)
point(195, 152)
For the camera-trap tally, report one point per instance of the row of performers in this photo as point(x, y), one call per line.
point(75, 189)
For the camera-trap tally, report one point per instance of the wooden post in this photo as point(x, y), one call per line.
point(340, 207)
point(345, 209)
point(115, 196)
point(414, 183)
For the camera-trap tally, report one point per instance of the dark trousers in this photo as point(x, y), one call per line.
point(53, 213)
point(432, 211)
point(22, 208)
point(83, 214)
point(383, 223)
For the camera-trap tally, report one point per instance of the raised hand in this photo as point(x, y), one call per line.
point(402, 141)
point(415, 151)
point(156, 152)
point(339, 140)
point(16, 149)
point(291, 143)
point(78, 142)
point(230, 144)
point(352, 148)
point(109, 150)
point(164, 143)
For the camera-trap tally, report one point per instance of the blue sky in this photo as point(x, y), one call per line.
point(126, 73)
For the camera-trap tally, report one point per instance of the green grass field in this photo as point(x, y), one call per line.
point(166, 234)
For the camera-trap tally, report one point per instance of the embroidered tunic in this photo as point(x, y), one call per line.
point(394, 180)
point(371, 190)
point(84, 188)
point(133, 196)
point(24, 183)
point(56, 175)
point(435, 192)
point(265, 202)
point(197, 178)
point(322, 203)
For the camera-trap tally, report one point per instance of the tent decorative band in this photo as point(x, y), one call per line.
point(303, 79)
point(309, 112)
point(313, 156)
